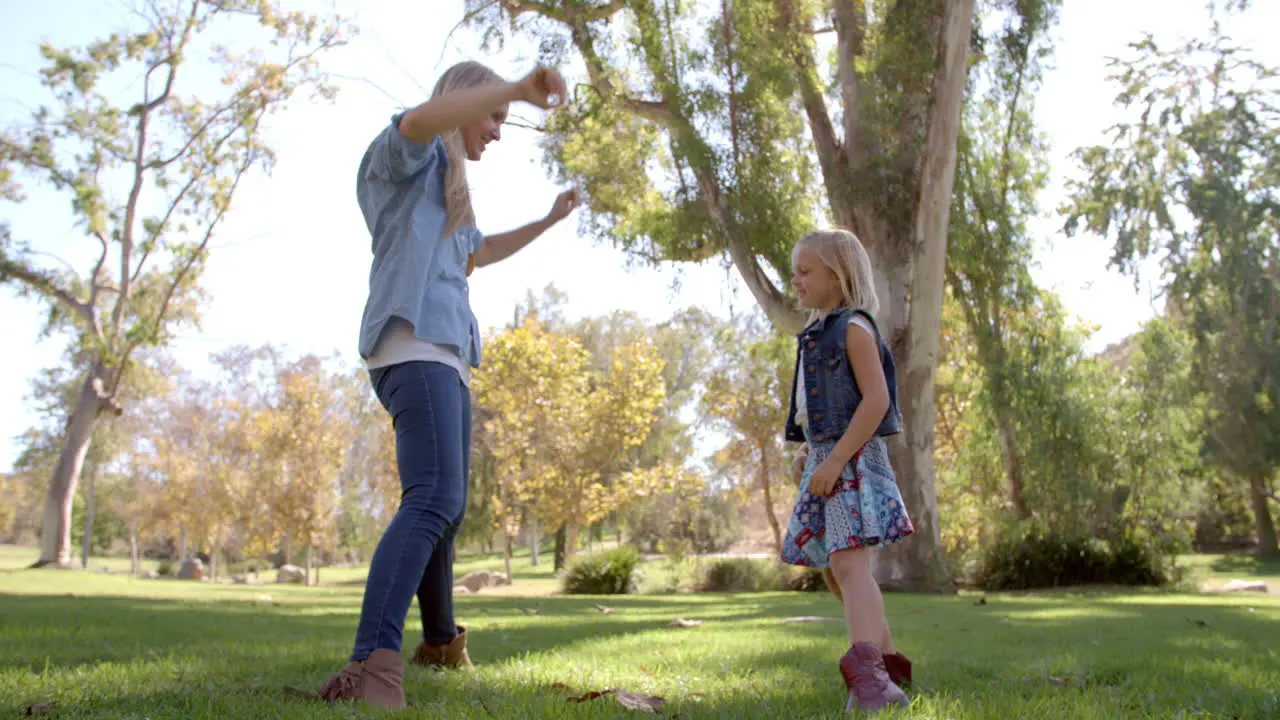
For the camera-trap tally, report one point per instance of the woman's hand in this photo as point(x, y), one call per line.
point(544, 87)
point(824, 480)
point(565, 203)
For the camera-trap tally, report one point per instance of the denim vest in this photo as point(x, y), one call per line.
point(417, 273)
point(832, 391)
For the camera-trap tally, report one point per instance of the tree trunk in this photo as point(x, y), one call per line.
point(571, 539)
point(182, 543)
point(1264, 526)
point(915, 287)
point(90, 506)
point(213, 563)
point(506, 555)
point(535, 541)
point(55, 531)
point(560, 551)
point(1012, 461)
point(134, 565)
point(766, 483)
point(308, 576)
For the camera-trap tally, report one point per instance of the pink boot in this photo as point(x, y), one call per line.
point(870, 688)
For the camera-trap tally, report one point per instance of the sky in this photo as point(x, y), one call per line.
point(290, 266)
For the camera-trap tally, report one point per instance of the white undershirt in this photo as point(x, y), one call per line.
point(398, 345)
point(802, 404)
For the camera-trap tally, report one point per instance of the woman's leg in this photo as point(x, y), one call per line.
point(428, 407)
point(435, 592)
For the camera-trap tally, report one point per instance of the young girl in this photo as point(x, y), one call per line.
point(420, 340)
point(843, 402)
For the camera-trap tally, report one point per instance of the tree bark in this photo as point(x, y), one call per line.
point(1264, 525)
point(134, 565)
point(766, 483)
point(506, 555)
point(55, 531)
point(916, 321)
point(90, 506)
point(560, 551)
point(1012, 461)
point(535, 541)
point(308, 582)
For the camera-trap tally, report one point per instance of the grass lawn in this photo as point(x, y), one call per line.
point(110, 646)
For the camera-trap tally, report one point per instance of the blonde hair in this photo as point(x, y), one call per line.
point(457, 195)
point(842, 252)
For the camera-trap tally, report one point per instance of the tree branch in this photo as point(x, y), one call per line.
point(831, 156)
point(851, 28)
point(44, 284)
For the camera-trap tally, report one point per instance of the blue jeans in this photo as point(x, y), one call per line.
point(431, 411)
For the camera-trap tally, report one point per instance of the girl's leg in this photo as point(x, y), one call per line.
point(863, 603)
point(427, 403)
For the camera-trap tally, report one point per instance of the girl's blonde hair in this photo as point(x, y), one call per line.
point(842, 252)
point(457, 196)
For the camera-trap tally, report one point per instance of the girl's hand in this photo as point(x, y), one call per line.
point(544, 87)
point(565, 203)
point(824, 480)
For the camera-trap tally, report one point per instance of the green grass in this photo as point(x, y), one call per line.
point(110, 646)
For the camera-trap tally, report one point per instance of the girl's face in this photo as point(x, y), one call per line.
point(816, 285)
point(479, 134)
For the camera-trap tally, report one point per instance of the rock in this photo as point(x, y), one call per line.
point(461, 590)
point(480, 579)
point(192, 569)
point(291, 574)
point(1245, 586)
point(150, 575)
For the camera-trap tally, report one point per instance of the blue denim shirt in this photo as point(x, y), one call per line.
point(417, 274)
point(832, 391)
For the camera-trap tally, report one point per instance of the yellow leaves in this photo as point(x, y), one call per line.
point(556, 427)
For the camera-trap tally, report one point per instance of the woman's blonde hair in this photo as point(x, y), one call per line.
point(457, 196)
point(842, 252)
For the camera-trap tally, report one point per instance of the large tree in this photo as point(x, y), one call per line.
point(707, 129)
point(1192, 178)
point(150, 159)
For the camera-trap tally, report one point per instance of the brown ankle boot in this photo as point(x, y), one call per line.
point(899, 669)
point(452, 654)
point(870, 688)
point(377, 680)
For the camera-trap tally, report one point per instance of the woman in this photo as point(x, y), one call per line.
point(420, 340)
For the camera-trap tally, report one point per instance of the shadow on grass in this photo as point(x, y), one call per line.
point(1247, 565)
point(234, 657)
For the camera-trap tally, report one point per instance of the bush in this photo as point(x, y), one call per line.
point(807, 580)
point(612, 572)
point(1033, 558)
point(165, 568)
point(745, 575)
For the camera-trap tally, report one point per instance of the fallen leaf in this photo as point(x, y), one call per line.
point(561, 686)
point(529, 611)
point(638, 701)
point(682, 623)
point(1198, 622)
point(41, 708)
point(981, 601)
point(1060, 682)
point(604, 609)
point(646, 670)
point(695, 693)
point(810, 619)
point(484, 706)
point(591, 695)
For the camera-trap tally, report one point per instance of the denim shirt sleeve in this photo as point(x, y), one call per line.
point(395, 158)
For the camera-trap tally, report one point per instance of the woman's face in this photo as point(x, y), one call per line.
point(477, 135)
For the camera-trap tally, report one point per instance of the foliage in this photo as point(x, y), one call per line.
point(1030, 556)
point(747, 398)
point(612, 572)
point(1190, 178)
point(149, 173)
point(744, 575)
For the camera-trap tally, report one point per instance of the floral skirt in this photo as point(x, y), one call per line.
point(865, 510)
